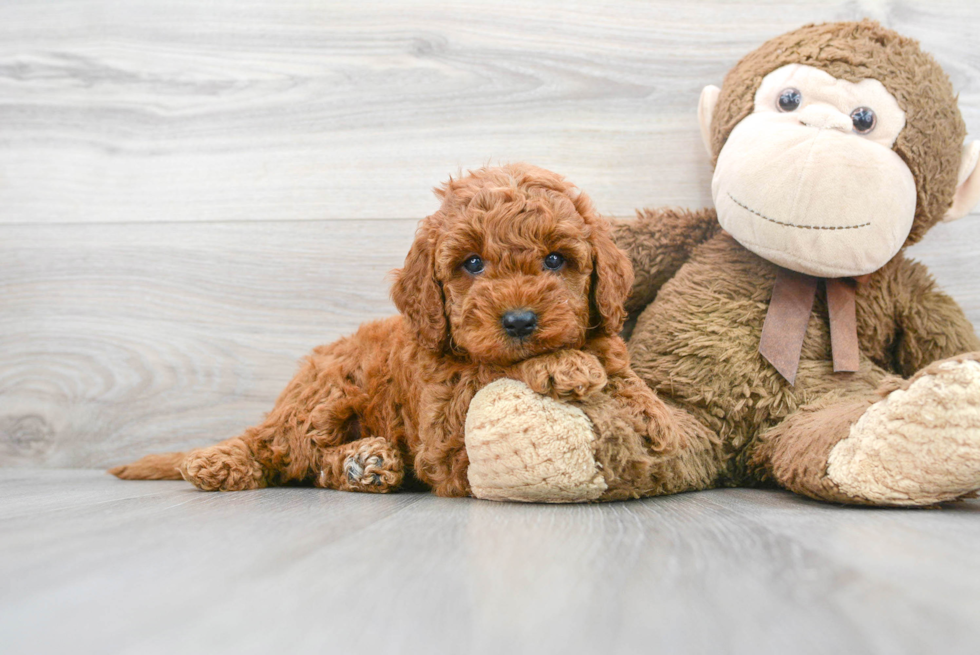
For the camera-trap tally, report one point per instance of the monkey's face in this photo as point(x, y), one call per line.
point(809, 179)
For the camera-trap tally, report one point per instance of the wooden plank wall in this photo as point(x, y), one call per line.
point(194, 194)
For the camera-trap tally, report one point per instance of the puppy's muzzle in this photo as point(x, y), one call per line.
point(520, 323)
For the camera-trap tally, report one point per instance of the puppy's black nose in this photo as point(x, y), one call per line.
point(520, 323)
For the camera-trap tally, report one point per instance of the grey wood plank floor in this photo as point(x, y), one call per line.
point(95, 565)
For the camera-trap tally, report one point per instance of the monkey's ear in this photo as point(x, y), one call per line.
point(967, 184)
point(706, 109)
point(418, 294)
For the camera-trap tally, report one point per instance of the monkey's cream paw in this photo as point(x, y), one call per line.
point(526, 447)
point(918, 446)
point(227, 466)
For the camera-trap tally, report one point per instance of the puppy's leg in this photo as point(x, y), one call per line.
point(371, 464)
point(440, 458)
point(286, 447)
point(320, 408)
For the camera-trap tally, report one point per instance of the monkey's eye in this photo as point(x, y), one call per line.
point(473, 265)
point(789, 99)
point(864, 120)
point(554, 261)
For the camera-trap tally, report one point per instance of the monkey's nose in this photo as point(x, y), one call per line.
point(518, 324)
point(824, 116)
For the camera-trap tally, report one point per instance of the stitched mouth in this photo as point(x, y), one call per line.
point(802, 227)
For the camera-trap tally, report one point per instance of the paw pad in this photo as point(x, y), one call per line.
point(363, 471)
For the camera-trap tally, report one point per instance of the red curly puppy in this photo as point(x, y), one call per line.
point(514, 276)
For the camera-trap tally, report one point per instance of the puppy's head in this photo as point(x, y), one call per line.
point(515, 263)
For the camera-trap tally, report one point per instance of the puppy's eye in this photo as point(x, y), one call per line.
point(864, 120)
point(554, 261)
point(789, 99)
point(473, 265)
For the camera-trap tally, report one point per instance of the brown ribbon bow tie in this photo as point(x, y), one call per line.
point(789, 313)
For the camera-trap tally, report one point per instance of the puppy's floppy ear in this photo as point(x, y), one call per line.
point(418, 294)
point(612, 273)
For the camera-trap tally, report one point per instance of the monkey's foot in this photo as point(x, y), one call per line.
point(921, 444)
point(227, 466)
point(526, 447)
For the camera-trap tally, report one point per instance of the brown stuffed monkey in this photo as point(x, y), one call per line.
point(791, 338)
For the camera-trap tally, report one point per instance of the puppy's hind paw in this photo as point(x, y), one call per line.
point(372, 464)
point(227, 466)
point(364, 472)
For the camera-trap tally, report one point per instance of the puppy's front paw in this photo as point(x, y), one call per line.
point(227, 466)
point(565, 375)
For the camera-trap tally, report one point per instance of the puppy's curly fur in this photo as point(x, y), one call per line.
point(391, 400)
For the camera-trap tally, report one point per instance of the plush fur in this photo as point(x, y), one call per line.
point(701, 298)
point(391, 400)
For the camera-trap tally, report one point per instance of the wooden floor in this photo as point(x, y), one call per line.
point(91, 564)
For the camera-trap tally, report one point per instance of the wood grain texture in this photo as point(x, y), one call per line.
point(193, 195)
point(96, 565)
point(123, 338)
point(177, 110)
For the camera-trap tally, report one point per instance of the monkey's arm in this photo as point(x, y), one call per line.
point(931, 325)
point(658, 242)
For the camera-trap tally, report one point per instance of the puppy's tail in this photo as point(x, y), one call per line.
point(161, 466)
